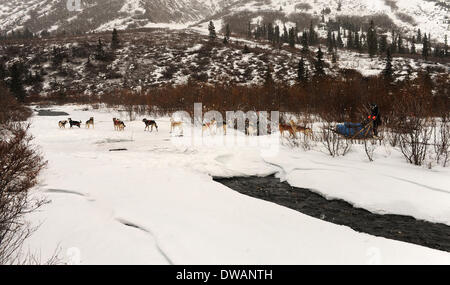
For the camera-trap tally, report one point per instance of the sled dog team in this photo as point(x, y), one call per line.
point(251, 130)
point(89, 123)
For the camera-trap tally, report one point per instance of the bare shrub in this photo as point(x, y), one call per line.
point(20, 163)
point(414, 141)
point(333, 142)
point(442, 141)
point(369, 148)
point(10, 109)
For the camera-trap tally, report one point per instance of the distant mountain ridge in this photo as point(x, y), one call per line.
point(432, 16)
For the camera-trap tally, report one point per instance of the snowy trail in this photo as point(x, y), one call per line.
point(158, 204)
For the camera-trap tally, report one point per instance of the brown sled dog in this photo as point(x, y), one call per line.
point(62, 124)
point(90, 123)
point(118, 125)
point(150, 124)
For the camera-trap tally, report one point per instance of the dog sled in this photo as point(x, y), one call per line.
point(356, 131)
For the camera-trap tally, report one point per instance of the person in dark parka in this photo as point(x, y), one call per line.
point(375, 118)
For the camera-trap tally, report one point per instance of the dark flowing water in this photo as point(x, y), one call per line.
point(397, 227)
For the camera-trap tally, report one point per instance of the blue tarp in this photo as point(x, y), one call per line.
point(350, 129)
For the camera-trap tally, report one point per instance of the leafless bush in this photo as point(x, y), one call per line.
point(414, 141)
point(10, 109)
point(333, 142)
point(442, 141)
point(393, 138)
point(369, 147)
point(20, 163)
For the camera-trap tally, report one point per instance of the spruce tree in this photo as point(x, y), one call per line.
point(285, 35)
point(277, 35)
point(99, 52)
point(228, 31)
point(312, 34)
point(419, 36)
point(413, 48)
point(226, 38)
point(270, 32)
point(446, 46)
point(115, 39)
point(387, 72)
point(291, 37)
point(16, 83)
point(400, 44)
point(340, 42)
point(249, 30)
point(301, 72)
point(329, 42)
point(268, 80)
point(212, 31)
point(246, 49)
point(356, 42)
point(319, 63)
point(425, 48)
point(372, 41)
point(350, 40)
point(305, 45)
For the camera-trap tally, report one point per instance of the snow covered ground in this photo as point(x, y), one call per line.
point(157, 203)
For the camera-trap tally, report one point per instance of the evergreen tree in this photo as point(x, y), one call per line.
point(419, 36)
point(333, 41)
point(319, 63)
point(350, 40)
point(99, 52)
point(400, 48)
point(226, 38)
point(425, 48)
point(413, 48)
point(372, 41)
point(291, 37)
point(301, 72)
point(305, 45)
point(227, 31)
point(446, 46)
point(340, 42)
point(212, 31)
point(312, 34)
point(115, 39)
point(285, 35)
point(249, 30)
point(16, 83)
point(329, 42)
point(270, 32)
point(388, 72)
point(268, 79)
point(277, 35)
point(357, 42)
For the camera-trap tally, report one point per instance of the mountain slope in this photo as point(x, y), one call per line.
point(431, 16)
point(38, 15)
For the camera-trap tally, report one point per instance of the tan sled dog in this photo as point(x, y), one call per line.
point(301, 129)
point(62, 124)
point(90, 123)
point(175, 124)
